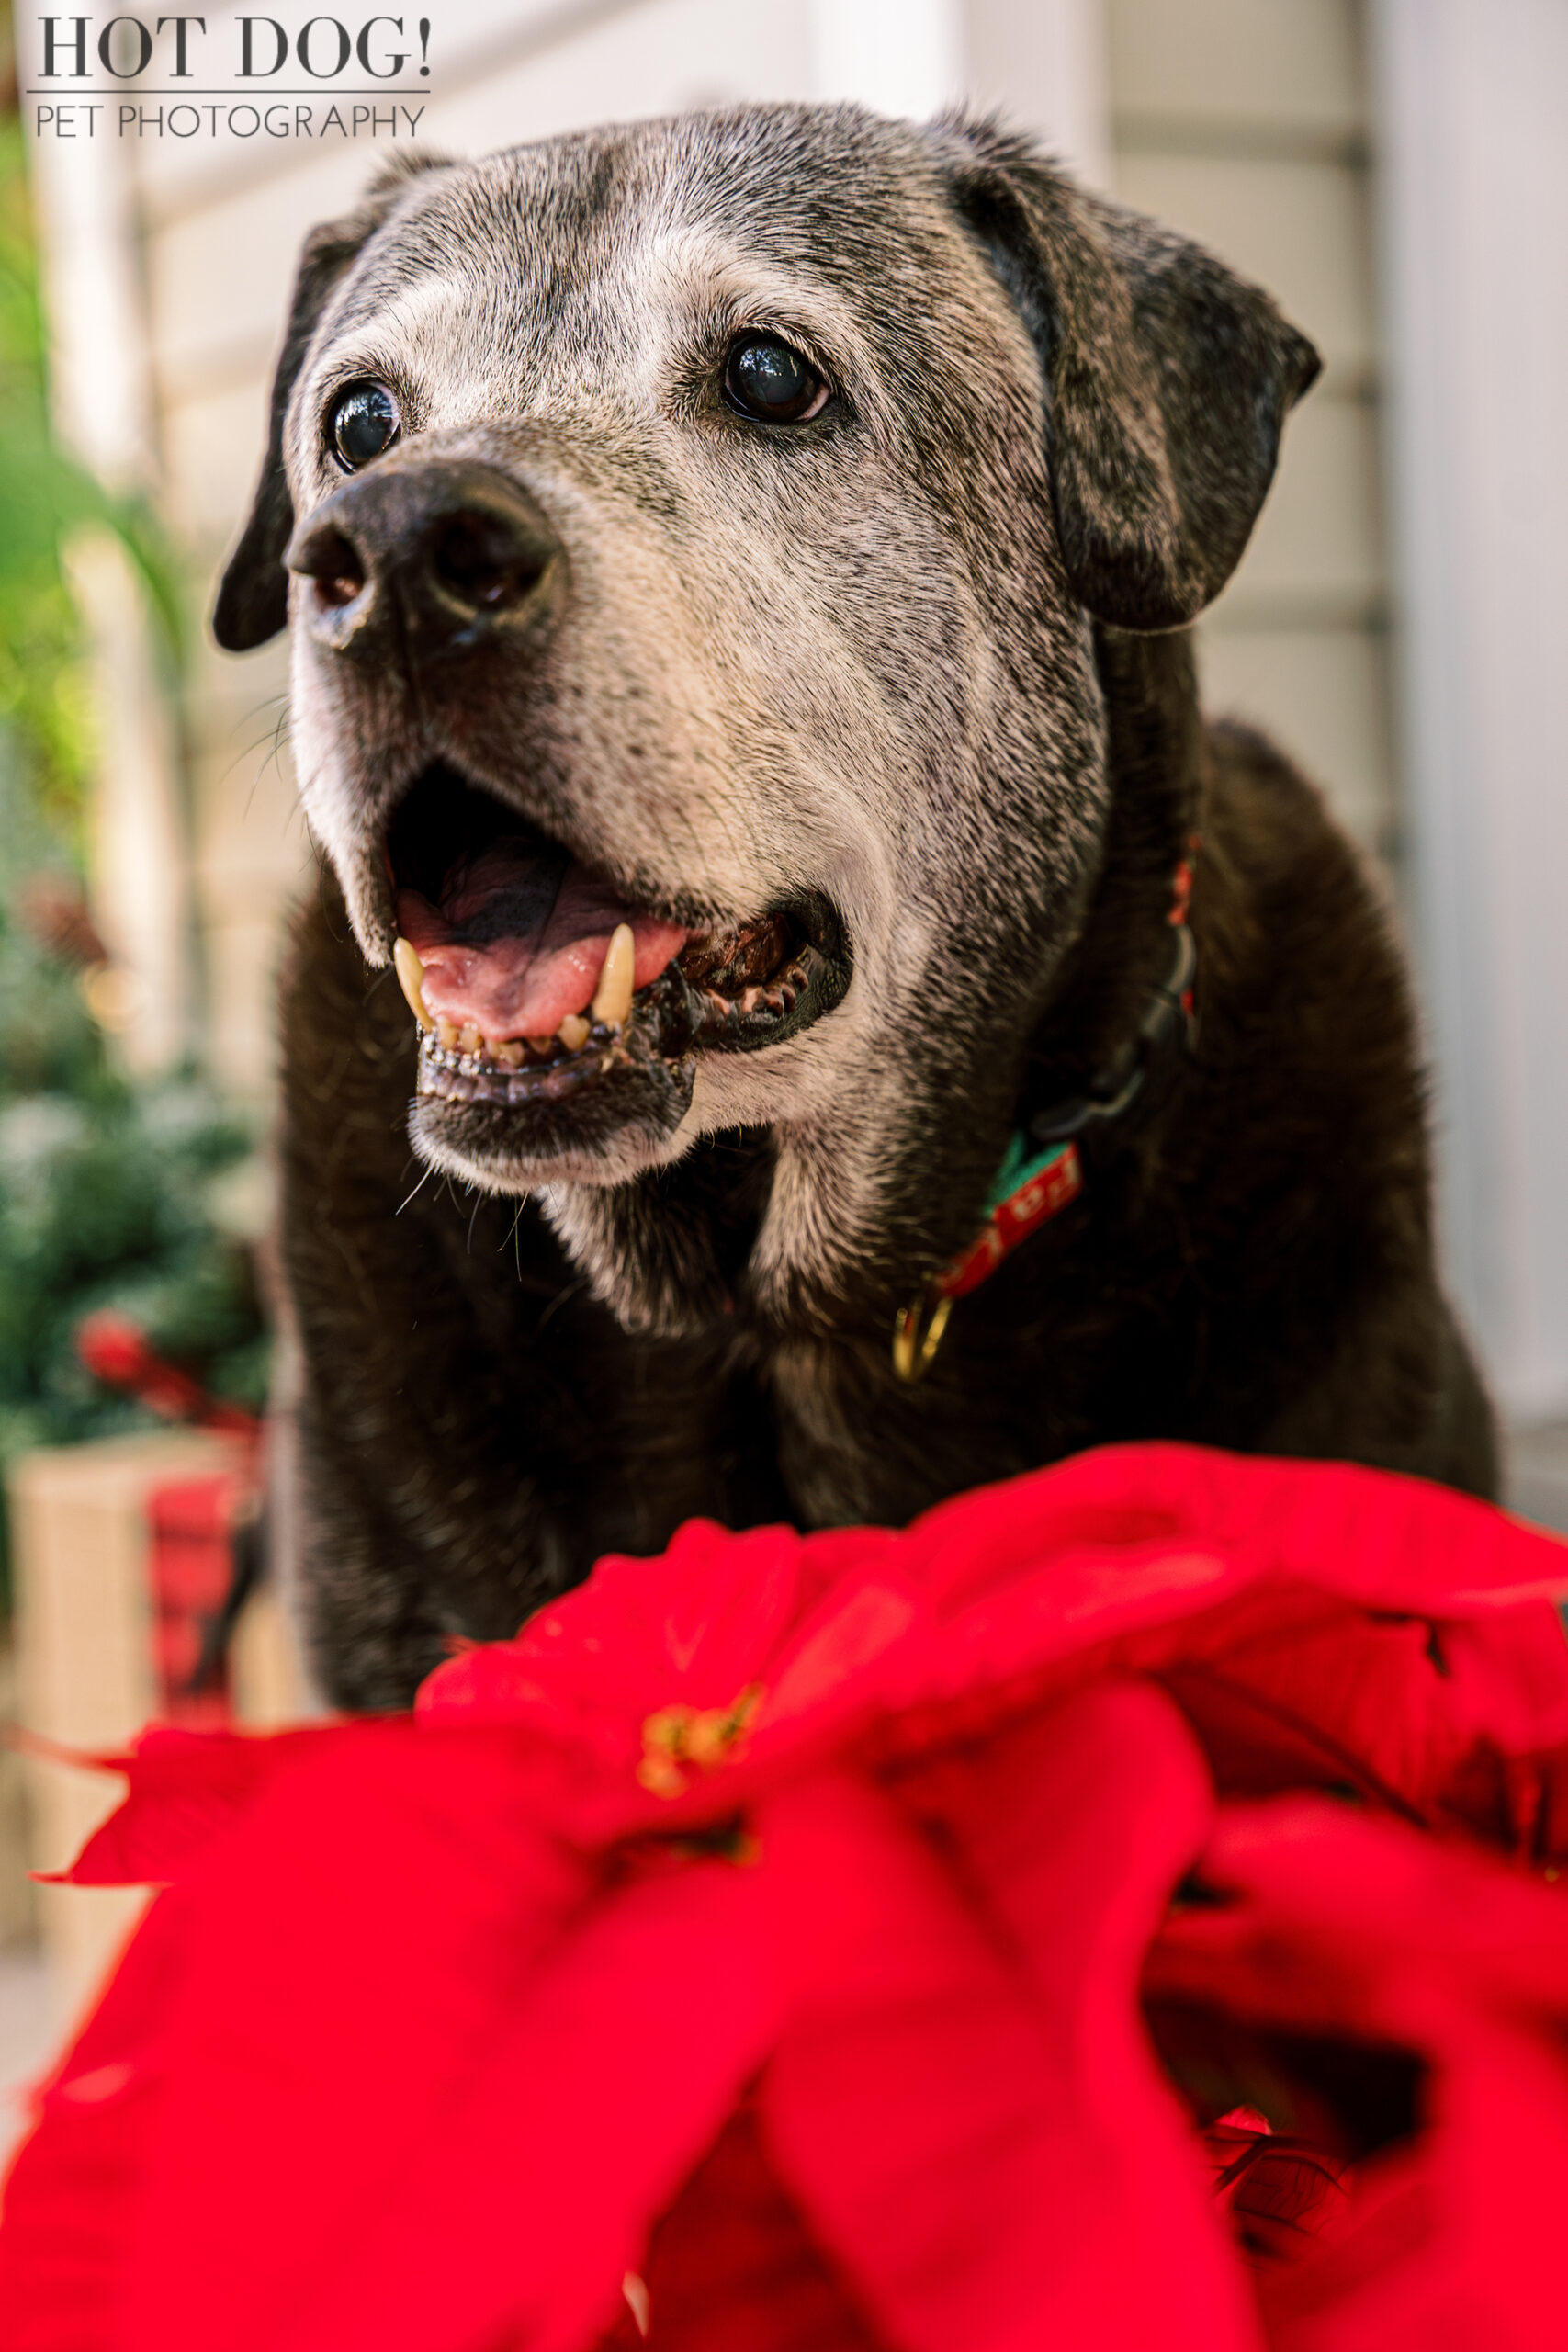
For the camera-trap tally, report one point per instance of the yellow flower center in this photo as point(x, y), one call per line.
point(678, 1738)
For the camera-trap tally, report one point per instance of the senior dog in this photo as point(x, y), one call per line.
point(867, 1035)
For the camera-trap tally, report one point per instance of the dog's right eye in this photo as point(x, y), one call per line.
point(768, 380)
point(364, 423)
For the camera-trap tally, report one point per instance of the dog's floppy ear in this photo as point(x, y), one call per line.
point(253, 595)
point(1168, 380)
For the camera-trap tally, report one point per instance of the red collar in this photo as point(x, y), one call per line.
point(1043, 1169)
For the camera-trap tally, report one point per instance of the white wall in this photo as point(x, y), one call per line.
point(1473, 131)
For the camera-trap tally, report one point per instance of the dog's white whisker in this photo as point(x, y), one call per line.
point(418, 1188)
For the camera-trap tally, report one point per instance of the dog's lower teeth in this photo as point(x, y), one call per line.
point(511, 1052)
point(518, 1070)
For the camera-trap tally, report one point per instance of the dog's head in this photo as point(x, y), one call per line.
point(695, 531)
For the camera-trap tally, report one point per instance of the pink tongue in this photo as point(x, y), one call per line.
point(524, 982)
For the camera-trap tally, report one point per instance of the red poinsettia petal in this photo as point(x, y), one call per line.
point(696, 1627)
point(531, 2198)
point(1073, 1829)
point(184, 1788)
point(1319, 1623)
point(1276, 2187)
point(1143, 1538)
point(733, 2267)
point(340, 1955)
point(905, 2106)
point(1455, 2242)
point(836, 1660)
point(357, 1948)
point(925, 2106)
point(1298, 1603)
point(70, 2197)
point(1420, 1717)
point(1388, 1542)
point(1354, 1920)
point(1364, 1929)
point(305, 2030)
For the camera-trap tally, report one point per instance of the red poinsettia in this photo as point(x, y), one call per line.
point(1119, 1909)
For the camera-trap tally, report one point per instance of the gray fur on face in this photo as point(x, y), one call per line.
point(855, 661)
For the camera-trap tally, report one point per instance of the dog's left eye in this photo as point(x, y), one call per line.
point(363, 424)
point(767, 379)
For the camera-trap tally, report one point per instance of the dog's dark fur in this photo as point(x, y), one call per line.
point(498, 1391)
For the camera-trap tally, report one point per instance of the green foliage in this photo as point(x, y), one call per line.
point(43, 498)
point(105, 1202)
point(109, 1191)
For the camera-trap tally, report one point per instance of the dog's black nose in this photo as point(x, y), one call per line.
point(446, 558)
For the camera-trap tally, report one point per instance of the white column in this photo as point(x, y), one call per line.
point(1042, 63)
point(1473, 103)
point(100, 372)
point(137, 846)
point(902, 57)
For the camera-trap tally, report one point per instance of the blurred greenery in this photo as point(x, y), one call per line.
point(109, 1196)
point(111, 1191)
point(43, 498)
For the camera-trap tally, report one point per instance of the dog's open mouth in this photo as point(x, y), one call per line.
point(532, 978)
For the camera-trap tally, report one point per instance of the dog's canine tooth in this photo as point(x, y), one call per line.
point(410, 980)
point(573, 1032)
point(612, 996)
